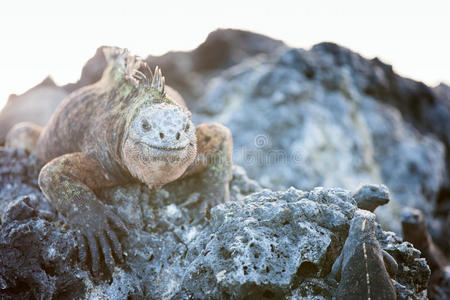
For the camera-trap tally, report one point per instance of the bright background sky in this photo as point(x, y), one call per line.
point(40, 38)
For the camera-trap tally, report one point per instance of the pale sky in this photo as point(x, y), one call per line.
point(40, 38)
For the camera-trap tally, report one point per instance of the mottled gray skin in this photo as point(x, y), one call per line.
point(361, 266)
point(370, 196)
point(125, 128)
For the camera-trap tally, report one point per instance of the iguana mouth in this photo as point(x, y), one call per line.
point(164, 148)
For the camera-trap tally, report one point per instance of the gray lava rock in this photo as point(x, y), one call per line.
point(35, 105)
point(268, 243)
point(302, 118)
point(260, 243)
point(190, 72)
point(19, 173)
point(92, 71)
point(427, 109)
point(37, 256)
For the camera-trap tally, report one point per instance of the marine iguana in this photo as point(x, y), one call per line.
point(126, 127)
point(415, 231)
point(363, 268)
point(370, 196)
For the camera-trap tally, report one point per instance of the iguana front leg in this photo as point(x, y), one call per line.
point(68, 183)
point(213, 162)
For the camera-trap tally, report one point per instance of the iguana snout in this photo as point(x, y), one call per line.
point(160, 143)
point(163, 128)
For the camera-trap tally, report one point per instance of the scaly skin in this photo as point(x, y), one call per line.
point(363, 267)
point(370, 196)
point(127, 127)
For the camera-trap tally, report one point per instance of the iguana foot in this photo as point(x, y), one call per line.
point(68, 182)
point(95, 233)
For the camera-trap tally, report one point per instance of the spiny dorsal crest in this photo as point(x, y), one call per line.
point(135, 69)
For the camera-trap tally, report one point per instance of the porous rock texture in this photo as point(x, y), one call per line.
point(312, 118)
point(259, 244)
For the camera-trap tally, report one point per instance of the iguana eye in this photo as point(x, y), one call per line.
point(146, 126)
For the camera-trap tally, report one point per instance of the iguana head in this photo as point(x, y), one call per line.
point(159, 141)
point(163, 127)
point(370, 196)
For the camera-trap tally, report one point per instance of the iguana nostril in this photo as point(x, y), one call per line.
point(145, 125)
point(161, 135)
point(178, 135)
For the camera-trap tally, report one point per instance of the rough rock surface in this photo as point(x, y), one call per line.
point(190, 72)
point(35, 105)
point(304, 118)
point(260, 243)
